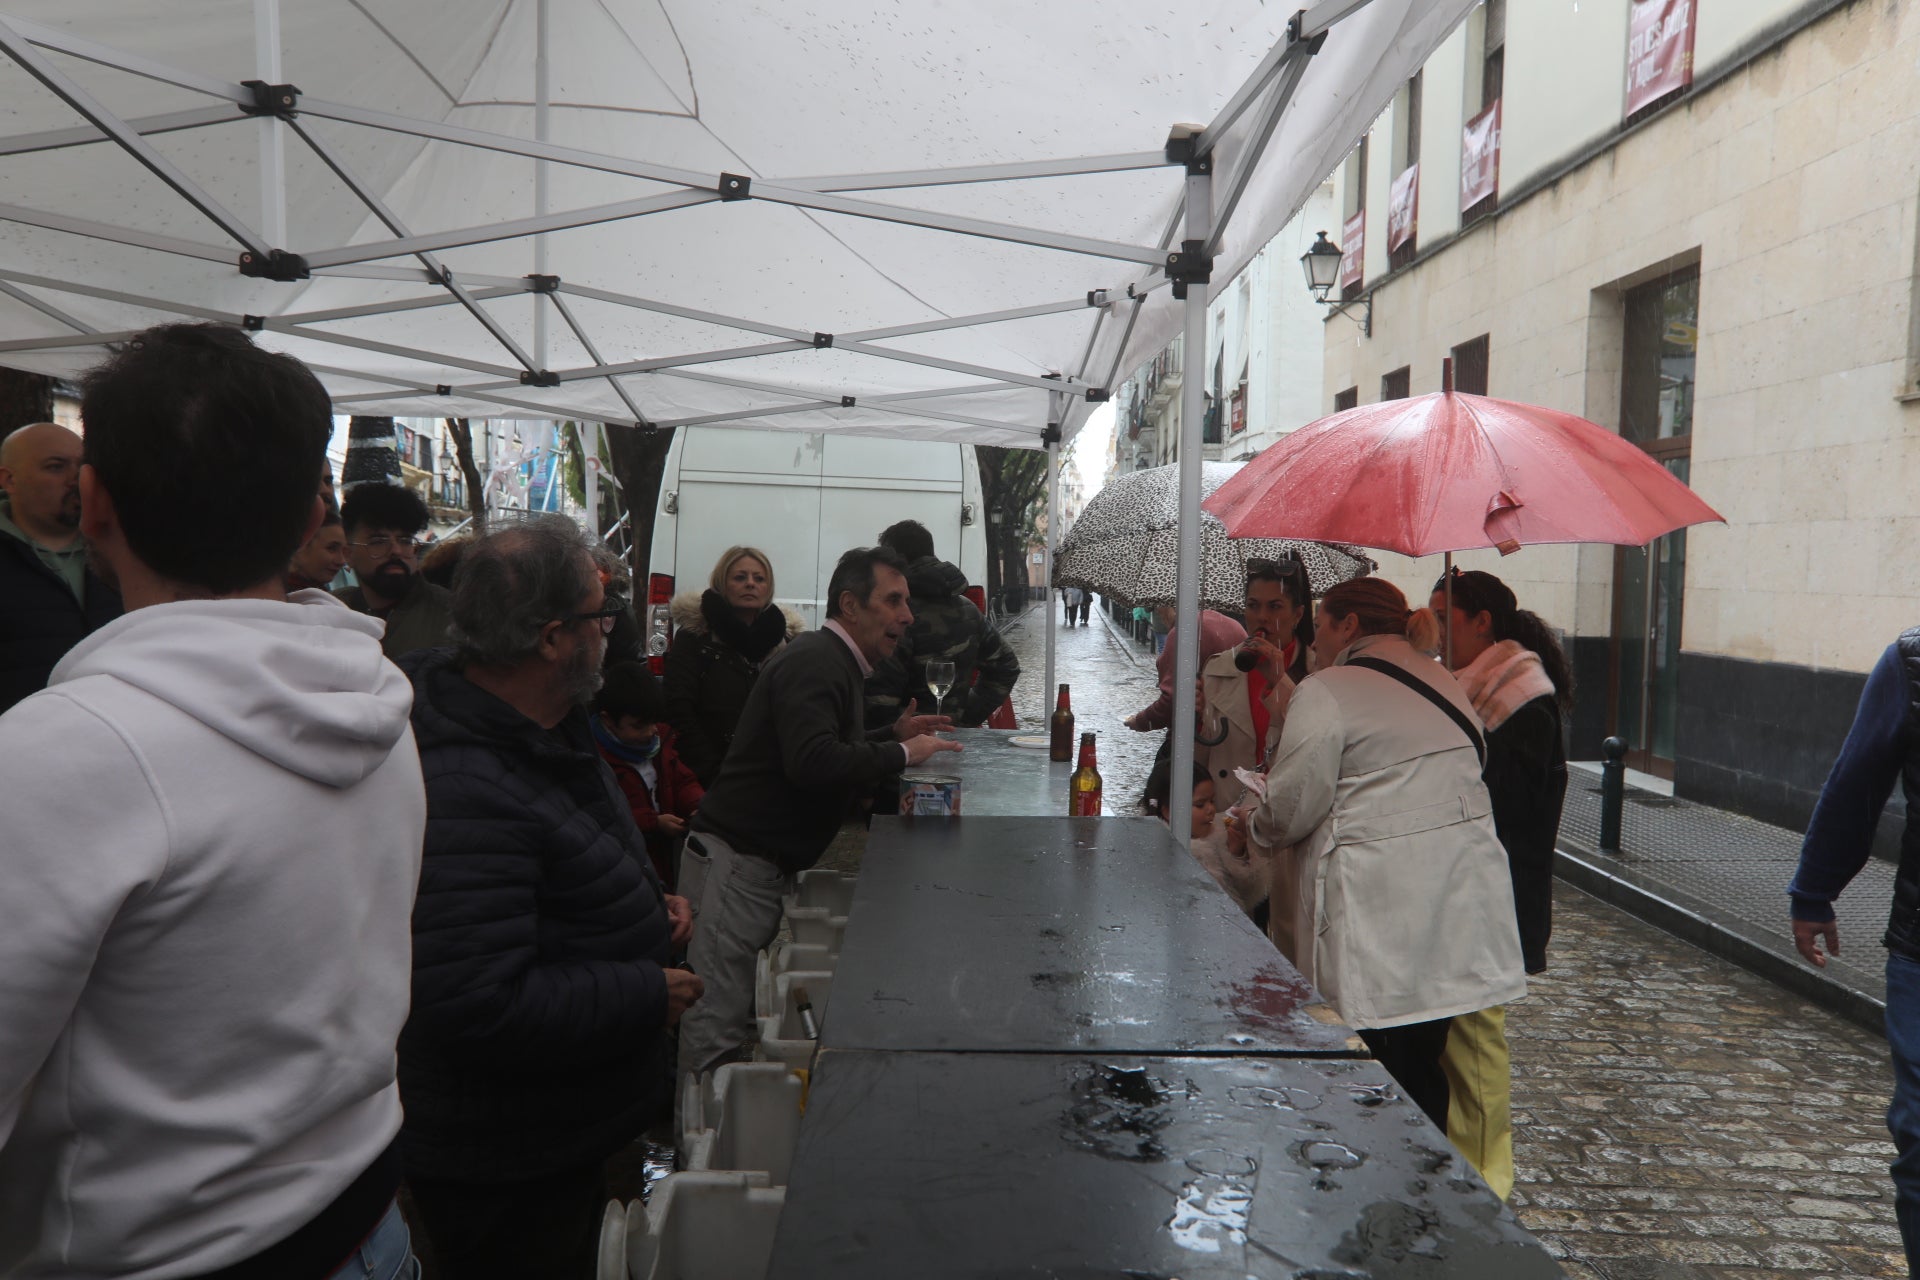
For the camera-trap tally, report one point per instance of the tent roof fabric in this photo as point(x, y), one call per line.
point(904, 167)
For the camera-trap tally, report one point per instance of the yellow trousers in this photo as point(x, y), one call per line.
point(1480, 1082)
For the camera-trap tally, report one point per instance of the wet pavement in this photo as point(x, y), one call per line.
point(1111, 678)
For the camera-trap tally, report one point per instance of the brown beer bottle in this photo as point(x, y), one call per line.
point(1083, 789)
point(1060, 747)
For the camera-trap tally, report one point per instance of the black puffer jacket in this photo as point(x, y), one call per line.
point(534, 1044)
point(711, 668)
point(40, 620)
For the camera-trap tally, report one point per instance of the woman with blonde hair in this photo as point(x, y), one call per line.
point(723, 636)
point(1395, 882)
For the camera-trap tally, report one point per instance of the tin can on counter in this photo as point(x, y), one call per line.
point(929, 796)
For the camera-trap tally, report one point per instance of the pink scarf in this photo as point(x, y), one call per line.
point(1503, 679)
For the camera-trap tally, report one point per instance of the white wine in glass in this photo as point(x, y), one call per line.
point(939, 679)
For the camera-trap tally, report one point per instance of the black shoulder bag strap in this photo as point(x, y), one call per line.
point(1432, 695)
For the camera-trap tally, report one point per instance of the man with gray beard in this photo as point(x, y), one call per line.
point(542, 937)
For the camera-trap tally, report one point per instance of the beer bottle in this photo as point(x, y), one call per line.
point(1060, 747)
point(1083, 789)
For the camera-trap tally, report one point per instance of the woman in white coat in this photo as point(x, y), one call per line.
point(1398, 887)
point(1244, 690)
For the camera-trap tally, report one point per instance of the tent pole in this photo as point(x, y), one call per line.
point(273, 143)
point(542, 105)
point(1186, 665)
point(1054, 413)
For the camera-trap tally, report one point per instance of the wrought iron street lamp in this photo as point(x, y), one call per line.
point(1322, 265)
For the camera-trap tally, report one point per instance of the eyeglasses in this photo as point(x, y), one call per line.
point(606, 616)
point(382, 543)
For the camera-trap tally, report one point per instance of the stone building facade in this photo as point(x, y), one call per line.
point(1726, 275)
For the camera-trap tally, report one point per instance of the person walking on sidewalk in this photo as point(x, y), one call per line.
point(1881, 748)
point(1517, 677)
point(800, 758)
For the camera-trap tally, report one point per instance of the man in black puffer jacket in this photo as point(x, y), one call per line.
point(541, 990)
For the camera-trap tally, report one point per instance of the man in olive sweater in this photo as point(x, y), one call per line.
point(800, 759)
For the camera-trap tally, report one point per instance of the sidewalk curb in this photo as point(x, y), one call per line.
point(1125, 643)
point(1692, 921)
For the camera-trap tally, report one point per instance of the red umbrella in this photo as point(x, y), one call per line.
point(1453, 472)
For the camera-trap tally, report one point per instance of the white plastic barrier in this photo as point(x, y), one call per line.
point(817, 909)
point(782, 1038)
point(745, 1116)
point(702, 1226)
point(784, 957)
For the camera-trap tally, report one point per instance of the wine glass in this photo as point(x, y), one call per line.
point(940, 676)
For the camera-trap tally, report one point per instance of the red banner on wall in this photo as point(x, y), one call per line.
point(1402, 207)
point(1480, 157)
point(1659, 50)
point(1353, 250)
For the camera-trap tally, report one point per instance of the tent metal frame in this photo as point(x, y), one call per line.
point(279, 109)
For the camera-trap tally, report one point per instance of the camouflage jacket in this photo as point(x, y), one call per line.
point(946, 625)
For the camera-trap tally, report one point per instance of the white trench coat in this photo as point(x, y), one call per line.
point(1396, 875)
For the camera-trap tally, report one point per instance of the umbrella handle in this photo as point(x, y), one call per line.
point(1201, 740)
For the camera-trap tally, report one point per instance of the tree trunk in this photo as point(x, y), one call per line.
point(637, 457)
point(24, 398)
point(461, 429)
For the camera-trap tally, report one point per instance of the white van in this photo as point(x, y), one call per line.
point(804, 499)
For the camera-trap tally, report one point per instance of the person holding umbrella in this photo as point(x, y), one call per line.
point(1398, 867)
point(1518, 679)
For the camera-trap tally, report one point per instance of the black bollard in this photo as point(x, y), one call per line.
point(1613, 792)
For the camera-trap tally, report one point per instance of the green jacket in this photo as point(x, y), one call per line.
point(420, 621)
point(945, 625)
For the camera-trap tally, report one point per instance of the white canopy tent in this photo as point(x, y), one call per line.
point(617, 210)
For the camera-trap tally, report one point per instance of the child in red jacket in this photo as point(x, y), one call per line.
point(633, 738)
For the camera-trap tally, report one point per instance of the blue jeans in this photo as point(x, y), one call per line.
point(1903, 1115)
point(387, 1254)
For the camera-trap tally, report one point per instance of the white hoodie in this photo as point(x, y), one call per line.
point(210, 834)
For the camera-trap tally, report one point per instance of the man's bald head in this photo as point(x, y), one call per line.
point(40, 474)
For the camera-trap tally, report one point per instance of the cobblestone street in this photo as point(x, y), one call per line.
point(1676, 1117)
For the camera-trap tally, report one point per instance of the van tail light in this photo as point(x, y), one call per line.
point(659, 620)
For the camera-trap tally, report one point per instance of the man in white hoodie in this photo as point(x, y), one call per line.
point(211, 838)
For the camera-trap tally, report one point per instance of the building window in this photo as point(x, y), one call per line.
point(1659, 54)
point(1348, 399)
point(1480, 159)
point(1470, 366)
point(1397, 385)
point(1404, 200)
point(1354, 225)
point(1656, 384)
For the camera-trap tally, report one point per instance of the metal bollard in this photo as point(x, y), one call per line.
point(1613, 792)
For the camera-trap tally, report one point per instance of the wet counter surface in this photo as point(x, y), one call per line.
point(998, 779)
point(1079, 1166)
point(1049, 935)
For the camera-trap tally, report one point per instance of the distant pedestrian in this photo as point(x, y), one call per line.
point(801, 758)
point(384, 524)
point(631, 730)
point(1086, 606)
point(49, 599)
point(1517, 677)
point(542, 937)
point(1881, 748)
point(722, 637)
point(212, 833)
point(320, 561)
point(947, 627)
point(1397, 887)
point(1070, 603)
